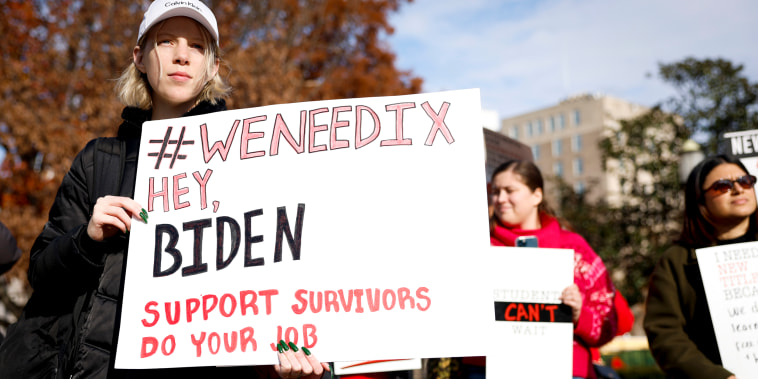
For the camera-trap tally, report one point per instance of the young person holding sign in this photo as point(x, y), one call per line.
point(720, 209)
point(520, 210)
point(76, 265)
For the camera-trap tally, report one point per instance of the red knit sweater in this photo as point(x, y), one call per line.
point(597, 321)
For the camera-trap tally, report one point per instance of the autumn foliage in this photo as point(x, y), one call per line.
point(60, 59)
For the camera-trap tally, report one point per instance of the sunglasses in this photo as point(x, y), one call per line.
point(723, 186)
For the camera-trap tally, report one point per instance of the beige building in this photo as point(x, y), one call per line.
point(564, 140)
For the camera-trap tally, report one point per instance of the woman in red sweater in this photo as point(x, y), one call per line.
point(521, 210)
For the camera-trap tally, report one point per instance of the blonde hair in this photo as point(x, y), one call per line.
point(134, 90)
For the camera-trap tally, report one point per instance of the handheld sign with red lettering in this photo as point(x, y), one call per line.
point(529, 318)
point(730, 279)
point(313, 223)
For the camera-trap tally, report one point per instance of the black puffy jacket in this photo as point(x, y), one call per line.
point(67, 268)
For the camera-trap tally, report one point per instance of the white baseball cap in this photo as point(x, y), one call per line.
point(161, 10)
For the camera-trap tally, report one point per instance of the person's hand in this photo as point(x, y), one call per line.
point(111, 214)
point(573, 298)
point(298, 363)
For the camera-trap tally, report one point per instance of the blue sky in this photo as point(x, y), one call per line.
point(525, 55)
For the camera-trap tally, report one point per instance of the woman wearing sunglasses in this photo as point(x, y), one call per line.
point(720, 209)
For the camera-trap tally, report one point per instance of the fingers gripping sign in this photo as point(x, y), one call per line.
point(112, 214)
point(573, 298)
point(298, 363)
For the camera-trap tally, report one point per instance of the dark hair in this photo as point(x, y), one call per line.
point(532, 177)
point(697, 230)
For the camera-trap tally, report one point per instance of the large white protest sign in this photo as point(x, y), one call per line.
point(352, 227)
point(530, 325)
point(730, 278)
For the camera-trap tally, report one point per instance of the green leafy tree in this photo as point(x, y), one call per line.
point(644, 156)
point(713, 97)
point(630, 234)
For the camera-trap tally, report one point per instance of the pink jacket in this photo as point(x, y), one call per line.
point(597, 323)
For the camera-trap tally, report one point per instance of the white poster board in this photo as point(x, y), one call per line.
point(532, 332)
point(329, 224)
point(730, 278)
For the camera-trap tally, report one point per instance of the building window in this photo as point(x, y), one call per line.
point(529, 131)
point(536, 152)
point(551, 124)
point(558, 169)
point(576, 117)
point(540, 127)
point(514, 132)
point(579, 188)
point(578, 166)
point(576, 143)
point(561, 122)
point(557, 148)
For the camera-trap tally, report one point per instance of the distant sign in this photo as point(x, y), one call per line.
point(744, 145)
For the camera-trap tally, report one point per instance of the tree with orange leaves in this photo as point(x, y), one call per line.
point(60, 59)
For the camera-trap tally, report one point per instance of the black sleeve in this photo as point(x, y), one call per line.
point(9, 251)
point(63, 256)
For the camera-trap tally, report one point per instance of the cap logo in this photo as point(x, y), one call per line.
point(183, 3)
